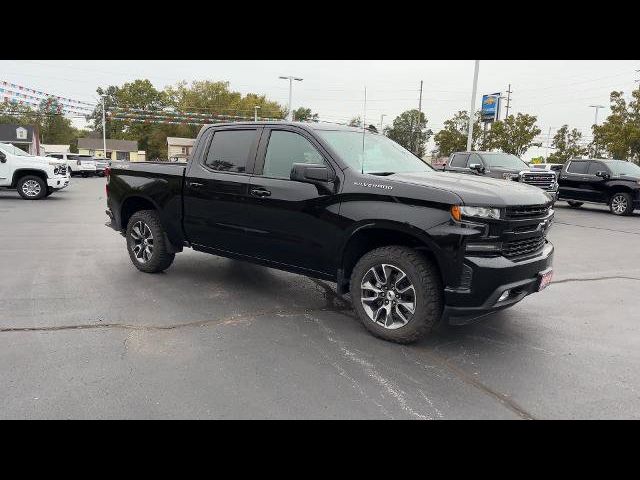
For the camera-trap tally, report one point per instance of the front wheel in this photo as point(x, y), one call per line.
point(397, 293)
point(621, 203)
point(573, 204)
point(146, 242)
point(32, 187)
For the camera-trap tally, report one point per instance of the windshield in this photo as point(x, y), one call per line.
point(504, 160)
point(11, 150)
point(380, 155)
point(620, 167)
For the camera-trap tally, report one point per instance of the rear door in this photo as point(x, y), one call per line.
point(573, 180)
point(293, 223)
point(216, 188)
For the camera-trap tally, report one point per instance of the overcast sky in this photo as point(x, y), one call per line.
point(558, 92)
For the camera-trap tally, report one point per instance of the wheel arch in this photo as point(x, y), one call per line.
point(369, 236)
point(23, 172)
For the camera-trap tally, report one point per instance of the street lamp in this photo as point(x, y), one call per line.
point(291, 79)
point(255, 113)
point(381, 117)
point(473, 106)
point(104, 130)
point(597, 107)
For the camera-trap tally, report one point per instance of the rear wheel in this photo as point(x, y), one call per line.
point(146, 242)
point(397, 293)
point(621, 203)
point(573, 204)
point(32, 187)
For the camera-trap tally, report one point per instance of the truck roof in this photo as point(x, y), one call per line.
point(305, 125)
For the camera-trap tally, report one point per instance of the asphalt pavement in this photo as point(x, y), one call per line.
point(83, 334)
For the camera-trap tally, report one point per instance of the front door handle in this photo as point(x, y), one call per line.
point(195, 184)
point(260, 192)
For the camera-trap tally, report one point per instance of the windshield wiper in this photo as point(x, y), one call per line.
point(381, 174)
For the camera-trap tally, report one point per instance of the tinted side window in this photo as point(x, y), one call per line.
point(285, 149)
point(596, 167)
point(55, 155)
point(474, 158)
point(459, 160)
point(229, 150)
point(577, 167)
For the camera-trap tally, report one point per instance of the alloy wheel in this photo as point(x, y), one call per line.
point(619, 204)
point(387, 296)
point(31, 188)
point(142, 242)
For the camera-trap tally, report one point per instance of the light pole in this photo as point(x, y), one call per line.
point(255, 113)
point(473, 103)
point(104, 130)
point(291, 79)
point(597, 107)
point(381, 117)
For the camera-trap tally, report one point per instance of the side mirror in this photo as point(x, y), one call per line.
point(602, 174)
point(3, 157)
point(318, 174)
point(476, 167)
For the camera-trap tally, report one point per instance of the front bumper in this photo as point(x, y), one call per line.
point(58, 183)
point(490, 277)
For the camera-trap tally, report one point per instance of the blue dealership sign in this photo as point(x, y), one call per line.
point(490, 107)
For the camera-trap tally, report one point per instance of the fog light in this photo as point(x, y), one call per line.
point(504, 295)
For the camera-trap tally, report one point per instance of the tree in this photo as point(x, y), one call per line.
point(355, 122)
point(55, 128)
point(619, 134)
point(514, 134)
point(303, 114)
point(372, 128)
point(453, 137)
point(410, 130)
point(567, 145)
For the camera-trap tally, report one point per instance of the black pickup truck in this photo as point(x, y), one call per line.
point(505, 166)
point(612, 182)
point(412, 245)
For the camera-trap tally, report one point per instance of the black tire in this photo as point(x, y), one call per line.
point(621, 203)
point(428, 292)
point(70, 172)
point(32, 187)
point(49, 191)
point(574, 204)
point(160, 259)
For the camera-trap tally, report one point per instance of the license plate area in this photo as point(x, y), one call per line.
point(544, 278)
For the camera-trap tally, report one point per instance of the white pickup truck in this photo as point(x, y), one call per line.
point(34, 177)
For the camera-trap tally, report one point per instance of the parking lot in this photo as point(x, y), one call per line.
point(83, 334)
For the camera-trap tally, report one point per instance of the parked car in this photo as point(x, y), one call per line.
point(611, 182)
point(77, 164)
point(34, 177)
point(101, 165)
point(412, 245)
point(505, 166)
point(550, 167)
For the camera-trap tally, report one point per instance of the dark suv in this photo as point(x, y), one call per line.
point(613, 182)
point(505, 166)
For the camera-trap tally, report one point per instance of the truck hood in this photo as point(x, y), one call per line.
point(477, 190)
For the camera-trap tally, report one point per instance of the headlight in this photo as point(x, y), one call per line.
point(480, 212)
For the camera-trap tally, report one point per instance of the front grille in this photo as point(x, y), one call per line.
point(520, 248)
point(529, 211)
point(542, 180)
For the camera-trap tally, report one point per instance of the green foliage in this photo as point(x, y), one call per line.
point(567, 145)
point(304, 114)
point(619, 135)
point(536, 160)
point(514, 134)
point(410, 130)
point(453, 137)
point(355, 122)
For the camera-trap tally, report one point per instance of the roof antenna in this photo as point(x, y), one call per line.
point(364, 121)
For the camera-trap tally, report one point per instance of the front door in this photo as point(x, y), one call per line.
point(216, 188)
point(292, 223)
point(594, 185)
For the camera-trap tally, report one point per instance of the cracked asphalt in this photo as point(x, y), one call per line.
point(83, 334)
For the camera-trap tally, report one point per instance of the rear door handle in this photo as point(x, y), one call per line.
point(195, 184)
point(260, 192)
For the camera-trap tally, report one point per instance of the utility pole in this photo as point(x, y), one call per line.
point(509, 92)
point(548, 143)
point(255, 113)
point(104, 130)
point(419, 115)
point(597, 107)
point(473, 106)
point(381, 117)
point(291, 79)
